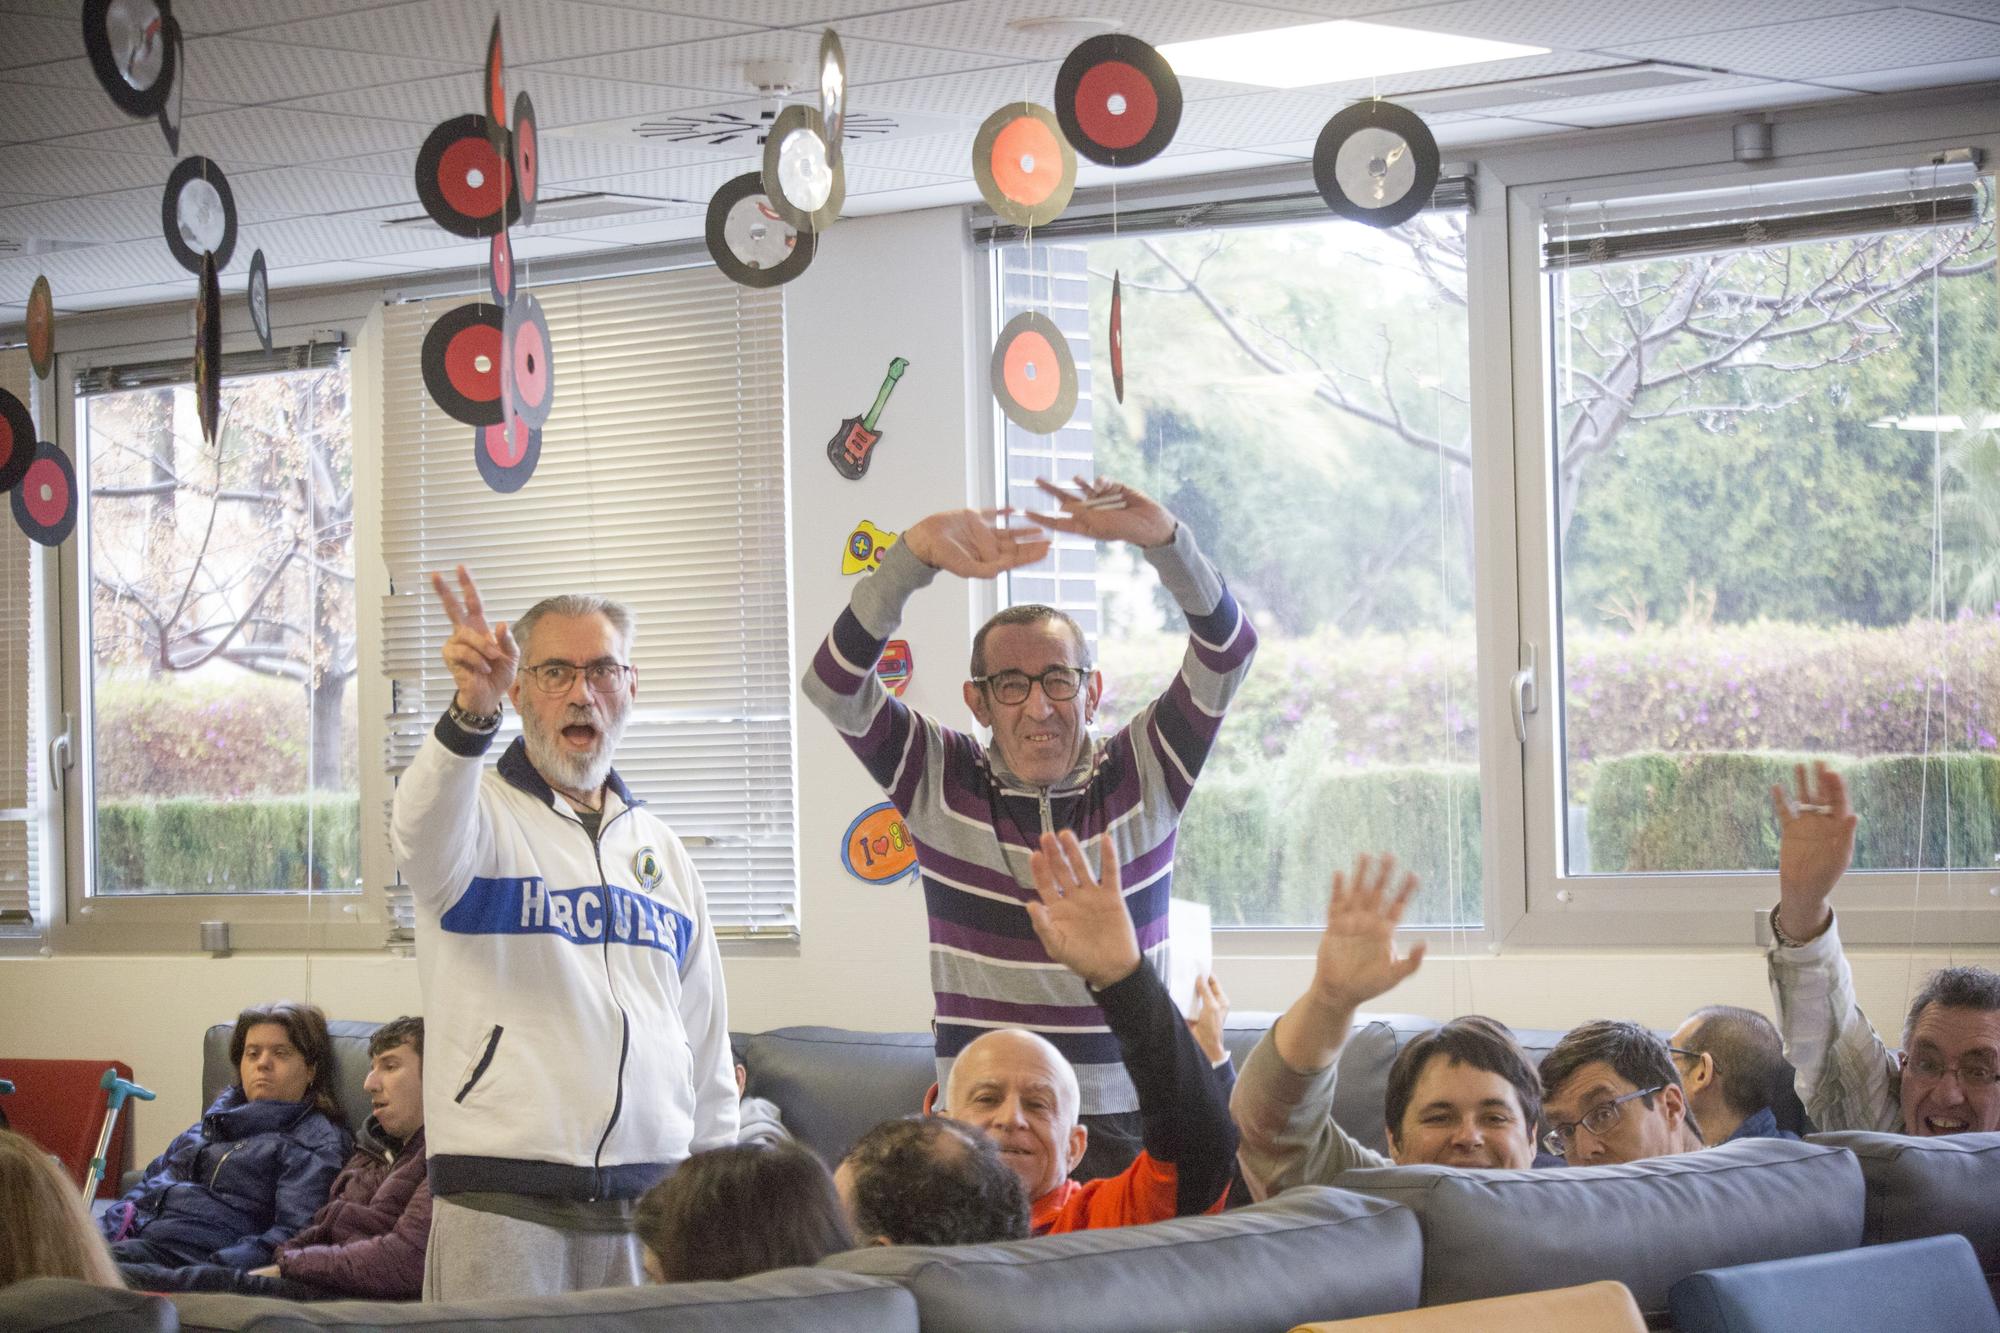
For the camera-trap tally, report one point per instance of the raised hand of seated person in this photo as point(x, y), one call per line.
point(1081, 918)
point(1356, 960)
point(1815, 846)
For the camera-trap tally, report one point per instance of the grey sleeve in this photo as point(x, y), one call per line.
point(1289, 1135)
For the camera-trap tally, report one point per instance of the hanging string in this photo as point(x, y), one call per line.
point(1936, 610)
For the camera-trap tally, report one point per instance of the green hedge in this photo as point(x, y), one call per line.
point(1665, 812)
point(200, 846)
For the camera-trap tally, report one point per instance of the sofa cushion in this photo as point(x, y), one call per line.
point(1931, 1283)
point(350, 1066)
point(833, 1085)
point(1260, 1268)
point(1929, 1186)
point(1646, 1224)
point(791, 1300)
point(46, 1304)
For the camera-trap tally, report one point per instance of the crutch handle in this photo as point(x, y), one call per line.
point(6, 1086)
point(118, 1089)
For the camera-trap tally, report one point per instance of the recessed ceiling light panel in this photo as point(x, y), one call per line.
point(1337, 52)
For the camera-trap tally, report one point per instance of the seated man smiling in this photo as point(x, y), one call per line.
point(1610, 1094)
point(1462, 1094)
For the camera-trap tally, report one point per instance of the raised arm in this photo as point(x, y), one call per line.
point(1284, 1097)
point(1082, 922)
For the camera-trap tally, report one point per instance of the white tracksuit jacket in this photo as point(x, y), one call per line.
point(576, 1042)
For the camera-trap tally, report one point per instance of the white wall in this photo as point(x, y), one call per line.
point(897, 285)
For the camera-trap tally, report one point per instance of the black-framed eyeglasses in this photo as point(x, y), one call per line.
point(1059, 683)
point(604, 676)
point(1600, 1120)
point(1930, 1069)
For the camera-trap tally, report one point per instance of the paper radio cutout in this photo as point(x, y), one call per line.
point(895, 665)
point(866, 546)
point(877, 847)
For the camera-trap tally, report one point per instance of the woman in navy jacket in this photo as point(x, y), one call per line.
point(256, 1167)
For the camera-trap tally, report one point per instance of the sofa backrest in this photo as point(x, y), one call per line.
point(791, 1300)
point(1930, 1186)
point(350, 1065)
point(1646, 1224)
point(1312, 1253)
point(1932, 1283)
point(59, 1303)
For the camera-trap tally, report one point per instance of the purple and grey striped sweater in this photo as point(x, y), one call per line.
point(975, 824)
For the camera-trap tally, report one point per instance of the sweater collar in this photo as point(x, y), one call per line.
point(1076, 779)
point(234, 1116)
point(519, 771)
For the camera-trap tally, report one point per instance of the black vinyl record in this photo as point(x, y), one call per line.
point(17, 440)
point(172, 107)
point(461, 361)
point(500, 269)
point(460, 176)
point(208, 349)
point(132, 52)
point(1377, 163)
point(45, 500)
point(528, 365)
point(506, 455)
point(749, 242)
point(198, 214)
point(258, 290)
point(527, 158)
point(1034, 375)
point(1118, 99)
point(1026, 169)
point(800, 179)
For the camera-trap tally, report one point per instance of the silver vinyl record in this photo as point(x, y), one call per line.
point(805, 188)
point(832, 92)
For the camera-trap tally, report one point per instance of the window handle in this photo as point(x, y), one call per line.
point(1526, 700)
point(60, 756)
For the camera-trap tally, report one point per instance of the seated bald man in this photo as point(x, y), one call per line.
point(1015, 1087)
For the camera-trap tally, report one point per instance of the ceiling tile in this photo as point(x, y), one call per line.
point(763, 13)
point(207, 17)
point(933, 154)
point(71, 73)
point(1247, 120)
point(249, 72)
point(717, 63)
point(533, 31)
point(1575, 25)
point(1828, 47)
point(9, 200)
point(974, 95)
point(110, 267)
point(46, 169)
point(287, 192)
point(984, 25)
point(128, 215)
point(31, 40)
point(264, 136)
point(34, 112)
point(565, 158)
point(1923, 76)
point(560, 99)
point(1594, 113)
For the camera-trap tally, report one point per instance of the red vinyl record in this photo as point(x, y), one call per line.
point(17, 440)
point(45, 501)
point(500, 269)
point(1118, 100)
point(496, 91)
point(1025, 168)
point(461, 361)
point(530, 368)
point(1034, 375)
point(506, 455)
point(41, 327)
point(1117, 337)
point(460, 179)
point(527, 158)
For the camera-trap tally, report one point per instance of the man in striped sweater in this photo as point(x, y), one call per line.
point(977, 811)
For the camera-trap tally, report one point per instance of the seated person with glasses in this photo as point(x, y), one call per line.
point(1462, 1094)
point(1732, 1063)
point(1943, 1080)
point(977, 809)
point(1610, 1093)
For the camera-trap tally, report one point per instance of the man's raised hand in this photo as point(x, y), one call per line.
point(1081, 919)
point(1357, 958)
point(1108, 511)
point(975, 543)
point(1815, 845)
point(482, 659)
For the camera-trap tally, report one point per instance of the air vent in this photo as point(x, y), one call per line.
point(737, 128)
point(568, 208)
point(1556, 88)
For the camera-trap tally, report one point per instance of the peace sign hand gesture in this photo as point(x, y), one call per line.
point(1081, 919)
point(482, 660)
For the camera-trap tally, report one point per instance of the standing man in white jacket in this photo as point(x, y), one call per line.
point(573, 1001)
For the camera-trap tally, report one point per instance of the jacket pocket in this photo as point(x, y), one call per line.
point(478, 1068)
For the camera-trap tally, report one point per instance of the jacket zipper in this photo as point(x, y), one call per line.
point(485, 1059)
point(217, 1174)
point(624, 1019)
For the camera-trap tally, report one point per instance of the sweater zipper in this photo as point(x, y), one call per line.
point(217, 1173)
point(624, 1019)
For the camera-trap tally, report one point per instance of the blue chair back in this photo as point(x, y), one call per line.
point(1934, 1283)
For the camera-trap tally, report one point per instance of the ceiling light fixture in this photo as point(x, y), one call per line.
point(1336, 52)
point(1078, 26)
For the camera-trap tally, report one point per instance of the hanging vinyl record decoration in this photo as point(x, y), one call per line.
point(1377, 163)
point(1117, 337)
point(1034, 375)
point(832, 93)
point(528, 372)
point(506, 454)
point(749, 242)
point(1025, 167)
point(802, 185)
point(461, 362)
point(527, 151)
point(17, 440)
point(41, 328)
point(172, 106)
point(496, 91)
point(198, 214)
point(258, 292)
point(132, 52)
point(45, 501)
point(460, 177)
point(500, 269)
point(208, 350)
point(1118, 100)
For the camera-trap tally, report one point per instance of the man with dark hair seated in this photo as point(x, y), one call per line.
point(1463, 1094)
point(1610, 1093)
point(1732, 1063)
point(1943, 1081)
point(367, 1240)
point(926, 1180)
point(1014, 1086)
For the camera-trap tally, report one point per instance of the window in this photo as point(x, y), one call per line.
point(23, 799)
point(221, 753)
point(1297, 393)
point(661, 483)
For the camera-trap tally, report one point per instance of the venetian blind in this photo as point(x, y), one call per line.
point(661, 484)
point(19, 789)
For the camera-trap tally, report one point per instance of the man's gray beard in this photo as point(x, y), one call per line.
point(573, 772)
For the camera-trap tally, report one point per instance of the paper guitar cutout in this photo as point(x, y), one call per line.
point(852, 447)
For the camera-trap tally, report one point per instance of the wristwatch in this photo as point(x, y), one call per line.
point(477, 723)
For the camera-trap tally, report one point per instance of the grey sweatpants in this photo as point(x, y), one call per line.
point(473, 1255)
